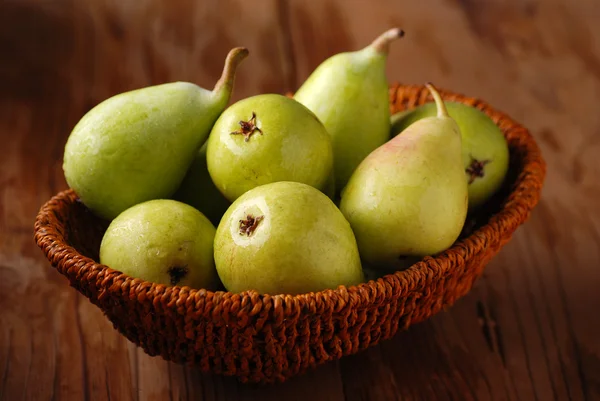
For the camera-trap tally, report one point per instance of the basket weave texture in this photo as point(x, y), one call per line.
point(263, 338)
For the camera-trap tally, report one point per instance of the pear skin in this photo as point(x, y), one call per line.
point(285, 238)
point(162, 241)
point(409, 198)
point(485, 149)
point(199, 191)
point(349, 93)
point(268, 138)
point(138, 145)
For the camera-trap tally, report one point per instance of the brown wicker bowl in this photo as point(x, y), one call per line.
point(262, 338)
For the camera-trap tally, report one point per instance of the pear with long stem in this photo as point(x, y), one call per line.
point(349, 93)
point(409, 197)
point(138, 145)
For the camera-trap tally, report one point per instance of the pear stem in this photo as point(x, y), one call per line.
point(382, 43)
point(441, 107)
point(233, 60)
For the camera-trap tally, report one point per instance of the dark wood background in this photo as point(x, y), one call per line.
point(530, 328)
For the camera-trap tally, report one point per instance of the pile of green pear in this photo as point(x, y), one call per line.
point(281, 194)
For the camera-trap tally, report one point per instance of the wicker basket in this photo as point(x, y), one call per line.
point(262, 338)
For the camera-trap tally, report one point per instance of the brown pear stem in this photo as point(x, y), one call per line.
point(382, 43)
point(233, 60)
point(441, 106)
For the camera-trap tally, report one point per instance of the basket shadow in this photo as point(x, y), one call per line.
point(414, 359)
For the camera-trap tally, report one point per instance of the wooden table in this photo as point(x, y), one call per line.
point(529, 329)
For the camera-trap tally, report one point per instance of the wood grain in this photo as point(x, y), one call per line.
point(529, 330)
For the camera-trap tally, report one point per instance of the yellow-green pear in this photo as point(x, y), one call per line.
point(198, 190)
point(409, 197)
point(162, 241)
point(485, 150)
point(138, 145)
point(285, 238)
point(268, 138)
point(349, 93)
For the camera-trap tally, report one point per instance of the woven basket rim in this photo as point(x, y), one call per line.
point(527, 186)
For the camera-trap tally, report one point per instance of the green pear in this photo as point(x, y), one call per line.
point(199, 191)
point(285, 238)
point(485, 151)
point(162, 241)
point(330, 190)
point(138, 145)
point(349, 93)
point(409, 197)
point(268, 138)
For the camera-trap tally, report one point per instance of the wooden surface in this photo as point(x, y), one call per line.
point(529, 330)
